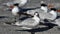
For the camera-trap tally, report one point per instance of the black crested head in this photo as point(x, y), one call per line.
point(37, 14)
point(53, 9)
point(43, 5)
point(16, 4)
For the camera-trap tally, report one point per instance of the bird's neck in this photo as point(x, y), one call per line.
point(37, 19)
point(44, 8)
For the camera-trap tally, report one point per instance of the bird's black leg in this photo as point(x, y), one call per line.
point(15, 19)
point(32, 32)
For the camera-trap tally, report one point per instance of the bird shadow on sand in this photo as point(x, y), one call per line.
point(26, 9)
point(33, 31)
point(58, 17)
point(23, 18)
point(3, 17)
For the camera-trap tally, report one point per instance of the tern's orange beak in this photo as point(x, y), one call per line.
point(58, 10)
point(50, 5)
point(11, 7)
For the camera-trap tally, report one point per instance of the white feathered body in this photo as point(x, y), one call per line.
point(15, 10)
point(54, 14)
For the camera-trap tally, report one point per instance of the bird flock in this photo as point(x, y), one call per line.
point(36, 16)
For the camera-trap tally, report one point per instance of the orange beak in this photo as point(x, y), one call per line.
point(58, 10)
point(11, 7)
point(50, 5)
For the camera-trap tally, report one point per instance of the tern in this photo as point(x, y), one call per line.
point(30, 23)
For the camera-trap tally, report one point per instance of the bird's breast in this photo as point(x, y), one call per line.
point(36, 19)
point(15, 11)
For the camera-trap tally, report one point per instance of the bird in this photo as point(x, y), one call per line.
point(53, 12)
point(16, 11)
point(42, 11)
point(10, 4)
point(21, 3)
point(44, 6)
point(29, 23)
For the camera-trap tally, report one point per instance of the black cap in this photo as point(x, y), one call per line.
point(16, 4)
point(35, 12)
point(43, 5)
point(53, 9)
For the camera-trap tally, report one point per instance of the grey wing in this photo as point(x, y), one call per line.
point(27, 22)
point(33, 11)
point(44, 15)
point(50, 16)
